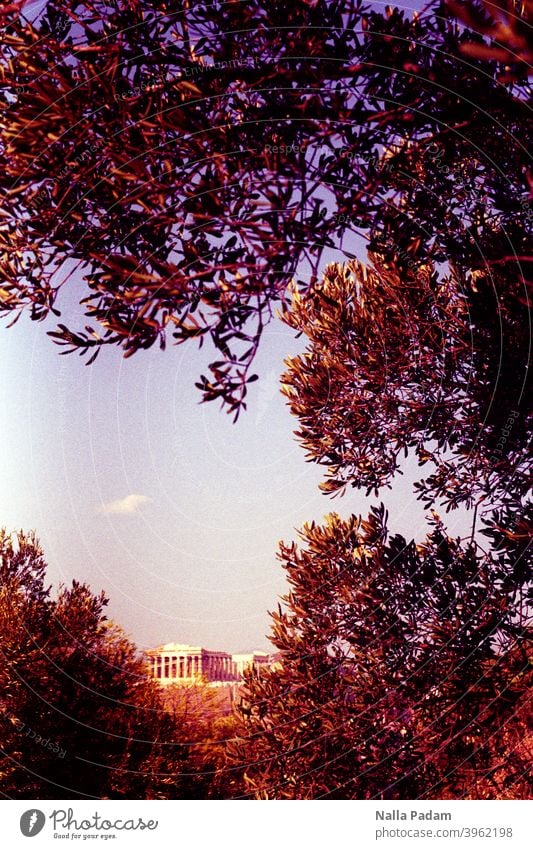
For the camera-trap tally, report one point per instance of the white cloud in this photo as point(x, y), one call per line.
point(130, 504)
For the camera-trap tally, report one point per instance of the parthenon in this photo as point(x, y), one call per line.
point(176, 662)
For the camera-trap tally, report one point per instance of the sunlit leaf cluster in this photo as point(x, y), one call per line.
point(414, 363)
point(403, 672)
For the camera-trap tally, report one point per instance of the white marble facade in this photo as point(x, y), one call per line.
point(176, 662)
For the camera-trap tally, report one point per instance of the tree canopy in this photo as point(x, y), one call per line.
point(402, 673)
point(79, 715)
point(192, 161)
point(398, 363)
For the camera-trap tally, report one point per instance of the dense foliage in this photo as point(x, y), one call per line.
point(191, 172)
point(206, 718)
point(403, 670)
point(79, 716)
point(398, 363)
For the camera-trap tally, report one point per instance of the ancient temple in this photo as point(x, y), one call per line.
point(175, 662)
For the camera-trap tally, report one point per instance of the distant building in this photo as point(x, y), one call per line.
point(245, 661)
point(178, 663)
